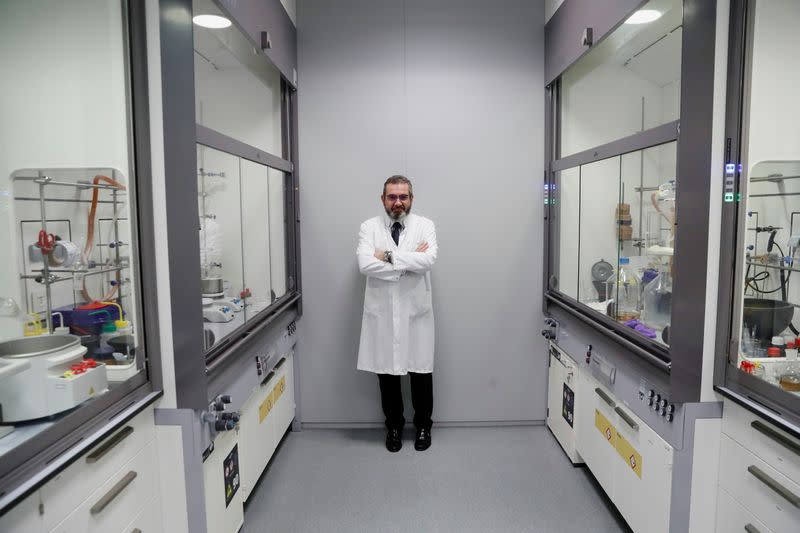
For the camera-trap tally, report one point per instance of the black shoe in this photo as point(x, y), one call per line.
point(423, 440)
point(394, 440)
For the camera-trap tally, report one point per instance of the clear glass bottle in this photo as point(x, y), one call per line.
point(623, 287)
point(658, 300)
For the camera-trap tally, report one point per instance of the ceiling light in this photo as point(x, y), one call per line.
point(215, 22)
point(643, 16)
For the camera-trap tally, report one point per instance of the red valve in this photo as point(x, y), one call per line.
point(46, 241)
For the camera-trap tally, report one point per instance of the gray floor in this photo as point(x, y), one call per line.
point(471, 479)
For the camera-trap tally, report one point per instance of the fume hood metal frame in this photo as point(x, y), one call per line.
point(199, 379)
point(780, 407)
point(682, 361)
point(25, 468)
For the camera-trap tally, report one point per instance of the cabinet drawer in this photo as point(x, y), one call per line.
point(774, 446)
point(71, 487)
point(597, 446)
point(148, 520)
point(732, 517)
point(257, 441)
point(24, 517)
point(768, 494)
point(284, 395)
point(118, 500)
point(643, 474)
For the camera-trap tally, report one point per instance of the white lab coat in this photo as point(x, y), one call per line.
point(397, 327)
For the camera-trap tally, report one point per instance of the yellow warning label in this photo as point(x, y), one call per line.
point(91, 391)
point(265, 408)
point(606, 428)
point(281, 386)
point(629, 455)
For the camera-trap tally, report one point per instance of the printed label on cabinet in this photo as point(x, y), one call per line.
point(231, 474)
point(629, 455)
point(605, 427)
point(568, 405)
point(265, 408)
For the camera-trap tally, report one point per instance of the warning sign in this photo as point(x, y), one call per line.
point(629, 455)
point(605, 427)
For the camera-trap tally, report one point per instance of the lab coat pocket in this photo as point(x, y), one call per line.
point(373, 296)
point(420, 297)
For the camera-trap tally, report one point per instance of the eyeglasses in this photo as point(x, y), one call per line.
point(394, 197)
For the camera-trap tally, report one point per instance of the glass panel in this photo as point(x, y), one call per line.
point(615, 233)
point(277, 231)
point(220, 208)
point(598, 231)
point(567, 205)
point(772, 227)
point(69, 322)
point(256, 234)
point(628, 83)
point(237, 91)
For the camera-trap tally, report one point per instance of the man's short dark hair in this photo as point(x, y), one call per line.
point(396, 180)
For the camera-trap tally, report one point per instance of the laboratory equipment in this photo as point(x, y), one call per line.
point(561, 401)
point(601, 273)
point(211, 286)
point(623, 288)
point(49, 376)
point(765, 318)
point(657, 294)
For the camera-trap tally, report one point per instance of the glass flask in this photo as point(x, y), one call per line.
point(624, 289)
point(658, 300)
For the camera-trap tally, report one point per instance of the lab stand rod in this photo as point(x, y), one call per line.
point(66, 200)
point(54, 280)
point(46, 267)
point(774, 267)
point(774, 179)
point(50, 181)
point(775, 194)
point(116, 248)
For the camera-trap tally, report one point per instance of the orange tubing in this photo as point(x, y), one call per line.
point(87, 250)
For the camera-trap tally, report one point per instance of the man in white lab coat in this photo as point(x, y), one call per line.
point(396, 251)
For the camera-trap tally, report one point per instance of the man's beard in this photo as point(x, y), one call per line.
point(398, 216)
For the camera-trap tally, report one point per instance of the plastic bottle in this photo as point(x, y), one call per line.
point(791, 351)
point(108, 331)
point(624, 289)
point(779, 343)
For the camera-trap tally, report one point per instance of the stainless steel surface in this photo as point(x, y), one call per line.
point(108, 445)
point(782, 491)
point(112, 494)
point(36, 346)
point(211, 285)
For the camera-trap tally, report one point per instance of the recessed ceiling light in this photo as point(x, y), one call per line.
point(643, 16)
point(215, 22)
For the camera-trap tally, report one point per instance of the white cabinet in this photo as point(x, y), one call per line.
point(732, 516)
point(629, 460)
point(760, 470)
point(561, 401)
point(258, 433)
point(597, 438)
point(101, 492)
point(265, 417)
point(222, 479)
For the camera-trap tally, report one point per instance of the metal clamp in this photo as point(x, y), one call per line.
point(750, 528)
point(108, 445)
point(627, 418)
point(111, 495)
point(775, 435)
point(782, 491)
point(606, 398)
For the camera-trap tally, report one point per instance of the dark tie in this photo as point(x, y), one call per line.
point(396, 227)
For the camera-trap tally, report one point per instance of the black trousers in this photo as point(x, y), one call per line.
point(421, 399)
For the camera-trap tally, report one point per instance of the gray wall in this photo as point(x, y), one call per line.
point(448, 92)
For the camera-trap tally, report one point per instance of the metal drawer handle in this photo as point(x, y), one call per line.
point(115, 491)
point(782, 491)
point(778, 437)
point(267, 378)
point(627, 418)
point(750, 528)
point(280, 363)
point(137, 530)
point(606, 398)
point(108, 445)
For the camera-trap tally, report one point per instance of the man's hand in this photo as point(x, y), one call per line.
point(378, 255)
point(423, 246)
